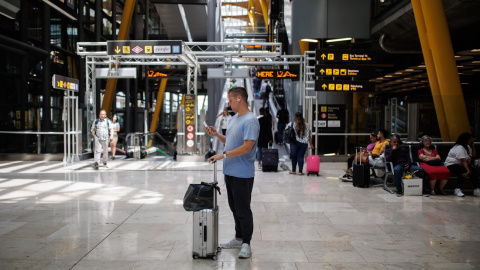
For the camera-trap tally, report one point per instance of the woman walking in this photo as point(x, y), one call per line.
point(113, 142)
point(303, 135)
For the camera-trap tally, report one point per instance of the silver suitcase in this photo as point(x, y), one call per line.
point(205, 229)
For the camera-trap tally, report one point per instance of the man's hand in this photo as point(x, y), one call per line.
point(215, 158)
point(211, 131)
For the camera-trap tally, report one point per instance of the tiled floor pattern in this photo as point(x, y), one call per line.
point(130, 216)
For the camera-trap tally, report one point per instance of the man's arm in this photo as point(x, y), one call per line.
point(241, 150)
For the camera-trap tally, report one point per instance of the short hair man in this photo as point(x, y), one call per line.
point(239, 167)
point(101, 128)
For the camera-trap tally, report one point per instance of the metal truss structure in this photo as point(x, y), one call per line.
point(195, 54)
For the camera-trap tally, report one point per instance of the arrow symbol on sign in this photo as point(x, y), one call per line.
point(323, 56)
point(322, 71)
point(117, 50)
point(324, 86)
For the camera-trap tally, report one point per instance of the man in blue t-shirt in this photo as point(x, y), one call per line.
point(239, 167)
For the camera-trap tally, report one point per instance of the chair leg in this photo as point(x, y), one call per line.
point(384, 185)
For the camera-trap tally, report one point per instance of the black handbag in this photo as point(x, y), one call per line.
point(436, 162)
point(289, 135)
point(200, 196)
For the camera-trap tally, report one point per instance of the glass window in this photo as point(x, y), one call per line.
point(120, 100)
point(34, 24)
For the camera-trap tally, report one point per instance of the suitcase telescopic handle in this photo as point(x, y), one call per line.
point(215, 172)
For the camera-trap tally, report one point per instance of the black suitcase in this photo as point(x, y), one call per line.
point(270, 160)
point(361, 174)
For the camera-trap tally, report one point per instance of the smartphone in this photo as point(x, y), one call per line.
point(205, 124)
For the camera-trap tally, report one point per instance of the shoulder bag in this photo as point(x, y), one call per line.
point(364, 158)
point(289, 135)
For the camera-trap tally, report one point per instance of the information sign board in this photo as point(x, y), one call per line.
point(330, 117)
point(344, 71)
point(64, 83)
point(144, 47)
point(190, 121)
point(278, 74)
point(343, 86)
point(344, 56)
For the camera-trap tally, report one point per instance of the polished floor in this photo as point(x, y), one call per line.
point(130, 216)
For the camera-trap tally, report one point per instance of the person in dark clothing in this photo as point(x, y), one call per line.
point(266, 94)
point(400, 158)
point(283, 118)
point(264, 136)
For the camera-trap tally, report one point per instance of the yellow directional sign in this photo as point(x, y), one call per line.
point(144, 47)
point(344, 86)
point(345, 71)
point(338, 55)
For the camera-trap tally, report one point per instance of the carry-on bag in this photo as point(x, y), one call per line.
point(270, 160)
point(361, 172)
point(205, 228)
point(313, 165)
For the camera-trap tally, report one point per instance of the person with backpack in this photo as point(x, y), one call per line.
point(266, 89)
point(102, 130)
point(283, 118)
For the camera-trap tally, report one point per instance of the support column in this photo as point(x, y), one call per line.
point(432, 73)
point(122, 35)
point(445, 68)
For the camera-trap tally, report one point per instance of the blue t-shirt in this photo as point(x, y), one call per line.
point(244, 128)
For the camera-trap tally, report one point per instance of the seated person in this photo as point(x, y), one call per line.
point(349, 172)
point(432, 164)
point(400, 158)
point(374, 156)
point(459, 163)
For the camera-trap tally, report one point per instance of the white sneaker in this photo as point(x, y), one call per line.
point(234, 243)
point(245, 252)
point(458, 192)
point(476, 192)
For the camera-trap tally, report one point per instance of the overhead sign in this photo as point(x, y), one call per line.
point(219, 73)
point(253, 47)
point(64, 83)
point(330, 117)
point(119, 73)
point(344, 71)
point(343, 86)
point(163, 73)
point(190, 113)
point(278, 74)
point(344, 56)
point(144, 47)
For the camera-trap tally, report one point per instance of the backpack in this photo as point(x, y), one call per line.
point(108, 125)
point(268, 89)
point(283, 116)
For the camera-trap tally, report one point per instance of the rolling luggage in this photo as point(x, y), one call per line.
point(361, 173)
point(205, 229)
point(313, 165)
point(270, 160)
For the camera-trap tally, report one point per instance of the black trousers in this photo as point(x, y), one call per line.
point(239, 192)
point(458, 170)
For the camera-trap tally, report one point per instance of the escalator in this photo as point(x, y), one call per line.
point(254, 105)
